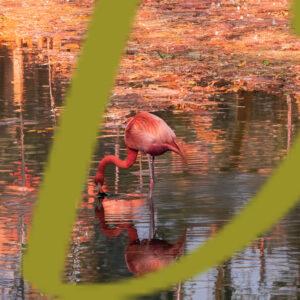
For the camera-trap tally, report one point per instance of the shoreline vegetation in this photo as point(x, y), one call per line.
point(180, 54)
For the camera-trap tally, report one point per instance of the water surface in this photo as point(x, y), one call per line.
point(232, 148)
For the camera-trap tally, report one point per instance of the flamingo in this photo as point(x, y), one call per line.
point(147, 133)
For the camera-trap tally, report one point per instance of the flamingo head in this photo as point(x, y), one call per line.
point(100, 186)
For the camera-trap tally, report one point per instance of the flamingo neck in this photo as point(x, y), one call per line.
point(112, 159)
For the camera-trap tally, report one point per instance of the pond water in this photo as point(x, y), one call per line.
point(232, 147)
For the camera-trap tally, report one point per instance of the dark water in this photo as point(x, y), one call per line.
point(232, 148)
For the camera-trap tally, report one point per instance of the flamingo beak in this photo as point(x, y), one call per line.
point(100, 192)
point(98, 188)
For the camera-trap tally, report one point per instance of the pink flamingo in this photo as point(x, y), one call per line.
point(147, 133)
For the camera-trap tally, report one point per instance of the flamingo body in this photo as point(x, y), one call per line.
point(150, 134)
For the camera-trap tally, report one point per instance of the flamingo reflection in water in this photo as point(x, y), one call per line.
point(141, 256)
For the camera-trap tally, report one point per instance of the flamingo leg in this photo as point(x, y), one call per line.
point(178, 291)
point(152, 214)
point(141, 170)
point(151, 169)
